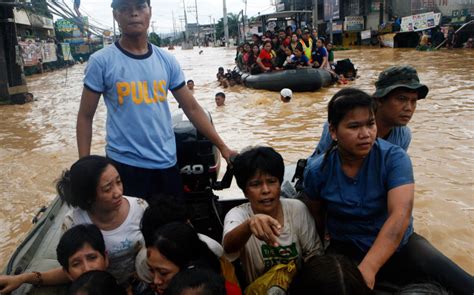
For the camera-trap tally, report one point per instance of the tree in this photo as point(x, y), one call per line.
point(155, 39)
point(233, 22)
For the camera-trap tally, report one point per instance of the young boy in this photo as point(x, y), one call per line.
point(286, 95)
point(190, 85)
point(80, 249)
point(299, 59)
point(220, 99)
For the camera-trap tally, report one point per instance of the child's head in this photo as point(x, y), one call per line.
point(196, 281)
point(220, 70)
point(190, 84)
point(81, 249)
point(287, 50)
point(96, 283)
point(175, 247)
point(162, 210)
point(220, 99)
point(329, 274)
point(286, 95)
point(298, 51)
point(329, 46)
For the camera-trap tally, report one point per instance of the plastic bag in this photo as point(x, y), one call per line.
point(274, 282)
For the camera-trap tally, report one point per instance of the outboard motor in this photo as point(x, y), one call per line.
point(198, 158)
point(199, 164)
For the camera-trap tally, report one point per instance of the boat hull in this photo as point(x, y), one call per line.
point(304, 79)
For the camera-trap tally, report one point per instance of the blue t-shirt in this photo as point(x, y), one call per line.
point(135, 89)
point(319, 54)
point(357, 207)
point(303, 60)
point(400, 135)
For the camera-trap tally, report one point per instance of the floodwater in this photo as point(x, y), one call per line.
point(37, 140)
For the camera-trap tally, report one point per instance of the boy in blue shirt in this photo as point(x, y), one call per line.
point(134, 78)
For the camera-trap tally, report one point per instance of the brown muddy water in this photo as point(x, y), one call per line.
point(37, 140)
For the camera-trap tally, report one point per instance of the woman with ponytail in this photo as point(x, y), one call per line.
point(175, 247)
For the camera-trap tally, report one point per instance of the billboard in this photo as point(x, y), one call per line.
point(354, 23)
point(446, 7)
point(331, 8)
point(420, 22)
point(32, 52)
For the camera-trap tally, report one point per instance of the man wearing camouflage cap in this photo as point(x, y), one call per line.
point(397, 91)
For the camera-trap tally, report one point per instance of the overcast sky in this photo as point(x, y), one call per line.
point(162, 13)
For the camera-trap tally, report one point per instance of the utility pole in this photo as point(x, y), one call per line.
point(214, 27)
point(174, 24)
point(186, 44)
point(315, 15)
point(226, 25)
point(12, 79)
point(331, 14)
point(197, 23)
point(245, 18)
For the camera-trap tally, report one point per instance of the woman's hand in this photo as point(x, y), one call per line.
point(265, 228)
point(11, 283)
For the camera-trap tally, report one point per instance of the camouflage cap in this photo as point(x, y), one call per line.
point(399, 77)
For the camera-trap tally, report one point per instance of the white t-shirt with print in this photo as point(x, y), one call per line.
point(123, 243)
point(298, 239)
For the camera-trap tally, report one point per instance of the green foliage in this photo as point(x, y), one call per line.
point(154, 39)
point(233, 22)
point(40, 7)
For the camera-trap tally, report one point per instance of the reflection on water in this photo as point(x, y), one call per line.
point(37, 140)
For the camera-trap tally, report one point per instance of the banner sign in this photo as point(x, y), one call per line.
point(33, 52)
point(420, 22)
point(354, 23)
point(66, 49)
point(337, 27)
point(365, 35)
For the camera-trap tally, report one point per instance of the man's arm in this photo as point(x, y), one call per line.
point(198, 117)
point(89, 102)
point(400, 206)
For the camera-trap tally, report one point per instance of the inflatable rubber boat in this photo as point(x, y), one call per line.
point(304, 79)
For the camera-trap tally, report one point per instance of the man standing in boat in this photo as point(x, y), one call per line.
point(134, 77)
point(397, 92)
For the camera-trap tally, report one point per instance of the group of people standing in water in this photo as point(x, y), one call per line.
point(349, 231)
point(285, 49)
